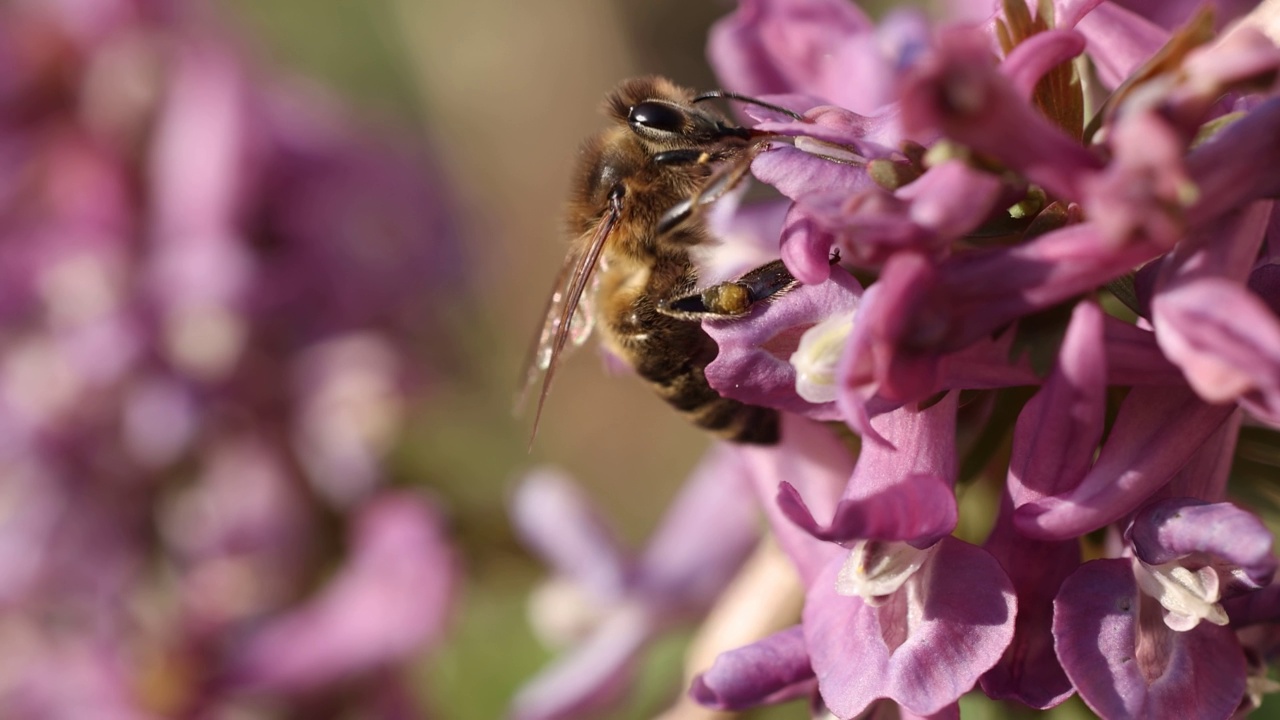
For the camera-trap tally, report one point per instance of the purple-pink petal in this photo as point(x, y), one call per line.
point(1262, 606)
point(387, 602)
point(697, 549)
point(1244, 59)
point(1225, 339)
point(811, 458)
point(952, 198)
point(861, 653)
point(591, 677)
point(1067, 13)
point(798, 174)
point(1119, 40)
point(1141, 194)
point(1236, 165)
point(959, 92)
point(871, 136)
point(772, 670)
point(205, 141)
point(1034, 57)
point(917, 310)
point(705, 535)
point(1206, 474)
point(1132, 358)
point(1029, 671)
point(1175, 13)
point(555, 519)
point(1060, 427)
point(806, 247)
point(873, 224)
point(1228, 249)
point(1157, 431)
point(900, 489)
point(921, 442)
point(753, 365)
point(1218, 533)
point(810, 46)
point(921, 508)
point(1125, 663)
point(887, 355)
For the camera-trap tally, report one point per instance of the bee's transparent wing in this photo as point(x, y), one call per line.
point(568, 317)
point(542, 350)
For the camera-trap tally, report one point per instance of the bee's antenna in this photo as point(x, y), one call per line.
point(727, 95)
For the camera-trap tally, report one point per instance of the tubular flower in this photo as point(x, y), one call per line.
point(606, 603)
point(1050, 231)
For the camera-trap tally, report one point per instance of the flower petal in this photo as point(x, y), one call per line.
point(776, 46)
point(920, 508)
point(1035, 56)
point(825, 48)
point(1225, 339)
point(1029, 671)
point(387, 602)
point(1119, 41)
point(886, 356)
point(1142, 193)
point(1157, 431)
point(959, 629)
point(1175, 13)
point(591, 677)
point(556, 520)
point(1060, 427)
point(772, 670)
point(1236, 541)
point(1124, 667)
point(1254, 608)
point(901, 490)
point(1234, 166)
point(959, 91)
point(706, 534)
point(1206, 474)
point(806, 247)
point(747, 368)
point(798, 174)
point(812, 459)
point(952, 198)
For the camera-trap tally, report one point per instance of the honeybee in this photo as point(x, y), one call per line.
point(635, 211)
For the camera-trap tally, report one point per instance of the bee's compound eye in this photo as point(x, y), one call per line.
point(657, 116)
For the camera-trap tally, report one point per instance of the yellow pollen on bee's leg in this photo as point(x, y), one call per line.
point(727, 299)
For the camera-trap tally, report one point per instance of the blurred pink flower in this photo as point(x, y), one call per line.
point(390, 598)
point(216, 296)
point(607, 603)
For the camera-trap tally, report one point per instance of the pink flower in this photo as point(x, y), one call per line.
point(608, 603)
point(1001, 231)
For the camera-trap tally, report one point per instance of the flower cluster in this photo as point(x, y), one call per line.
point(1054, 231)
point(212, 300)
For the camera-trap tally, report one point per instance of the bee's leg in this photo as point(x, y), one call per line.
point(672, 354)
point(733, 297)
point(682, 157)
point(717, 187)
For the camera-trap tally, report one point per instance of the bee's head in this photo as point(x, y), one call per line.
point(663, 115)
